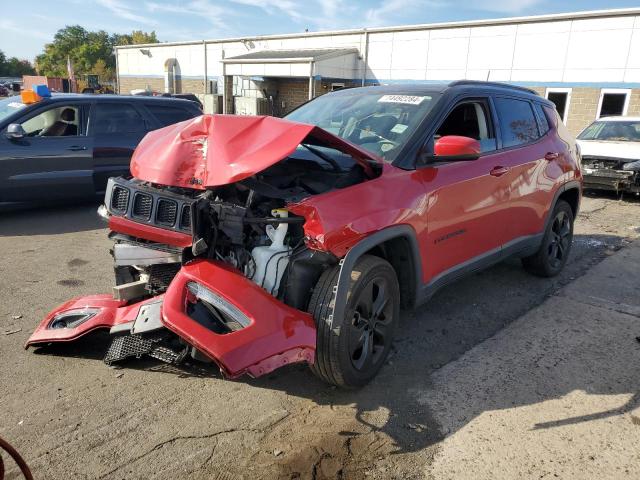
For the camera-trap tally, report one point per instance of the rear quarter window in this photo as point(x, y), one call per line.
point(543, 121)
point(518, 123)
point(112, 118)
point(168, 114)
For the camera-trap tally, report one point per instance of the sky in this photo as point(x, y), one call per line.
point(24, 31)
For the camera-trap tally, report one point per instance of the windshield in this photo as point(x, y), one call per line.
point(378, 122)
point(10, 105)
point(616, 131)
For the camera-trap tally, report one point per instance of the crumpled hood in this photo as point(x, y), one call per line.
point(622, 150)
point(213, 150)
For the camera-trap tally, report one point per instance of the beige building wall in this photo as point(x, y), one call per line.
point(583, 108)
point(634, 103)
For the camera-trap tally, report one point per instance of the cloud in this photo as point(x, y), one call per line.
point(122, 10)
point(505, 6)
point(288, 7)
point(391, 11)
point(9, 26)
point(213, 13)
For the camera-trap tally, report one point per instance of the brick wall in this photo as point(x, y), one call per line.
point(190, 85)
point(293, 93)
point(583, 108)
point(183, 85)
point(133, 83)
point(634, 103)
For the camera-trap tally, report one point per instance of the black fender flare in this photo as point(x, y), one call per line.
point(348, 262)
point(570, 185)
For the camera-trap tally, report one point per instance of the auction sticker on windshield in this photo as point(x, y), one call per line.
point(408, 99)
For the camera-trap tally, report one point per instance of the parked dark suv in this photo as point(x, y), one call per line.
point(65, 147)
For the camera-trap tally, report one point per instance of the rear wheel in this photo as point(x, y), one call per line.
point(353, 351)
point(552, 256)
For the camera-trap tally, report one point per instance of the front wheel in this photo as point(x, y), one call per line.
point(552, 256)
point(350, 352)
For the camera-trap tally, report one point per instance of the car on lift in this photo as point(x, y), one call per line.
point(610, 149)
point(255, 242)
point(63, 147)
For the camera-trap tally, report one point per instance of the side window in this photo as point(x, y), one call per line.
point(61, 121)
point(469, 119)
point(517, 122)
point(107, 118)
point(543, 122)
point(168, 115)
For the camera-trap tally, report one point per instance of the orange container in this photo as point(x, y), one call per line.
point(29, 96)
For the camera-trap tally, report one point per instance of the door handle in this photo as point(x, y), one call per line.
point(498, 171)
point(551, 156)
point(76, 148)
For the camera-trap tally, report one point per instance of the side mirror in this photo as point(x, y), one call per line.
point(15, 132)
point(453, 148)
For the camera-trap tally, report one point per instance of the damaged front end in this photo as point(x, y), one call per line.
point(614, 174)
point(211, 260)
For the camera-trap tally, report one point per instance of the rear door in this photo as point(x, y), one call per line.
point(467, 199)
point(53, 162)
point(526, 150)
point(116, 129)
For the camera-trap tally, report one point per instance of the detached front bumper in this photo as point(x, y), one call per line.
point(269, 334)
point(275, 334)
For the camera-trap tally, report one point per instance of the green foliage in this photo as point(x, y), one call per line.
point(89, 52)
point(14, 67)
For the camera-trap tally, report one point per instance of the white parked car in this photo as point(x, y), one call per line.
point(610, 150)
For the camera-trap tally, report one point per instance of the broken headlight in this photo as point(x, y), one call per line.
point(73, 318)
point(219, 303)
point(633, 166)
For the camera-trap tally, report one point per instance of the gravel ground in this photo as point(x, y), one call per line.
point(71, 416)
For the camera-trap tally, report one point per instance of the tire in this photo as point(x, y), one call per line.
point(552, 256)
point(343, 356)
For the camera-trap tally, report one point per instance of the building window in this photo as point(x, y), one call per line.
point(614, 102)
point(560, 97)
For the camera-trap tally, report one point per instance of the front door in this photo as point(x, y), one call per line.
point(467, 200)
point(52, 162)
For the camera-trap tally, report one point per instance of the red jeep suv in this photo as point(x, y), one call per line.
point(255, 242)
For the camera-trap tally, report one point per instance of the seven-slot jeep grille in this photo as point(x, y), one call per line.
point(149, 205)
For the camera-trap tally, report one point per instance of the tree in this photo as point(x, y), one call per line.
point(14, 67)
point(89, 52)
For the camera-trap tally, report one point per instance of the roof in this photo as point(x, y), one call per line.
point(304, 55)
point(616, 12)
point(618, 119)
point(107, 97)
point(431, 88)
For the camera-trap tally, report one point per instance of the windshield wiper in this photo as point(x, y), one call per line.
point(322, 156)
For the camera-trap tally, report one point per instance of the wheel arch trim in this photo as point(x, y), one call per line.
point(348, 262)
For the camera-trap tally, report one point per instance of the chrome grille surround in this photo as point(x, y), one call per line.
point(148, 205)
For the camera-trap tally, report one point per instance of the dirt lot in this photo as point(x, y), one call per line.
point(71, 416)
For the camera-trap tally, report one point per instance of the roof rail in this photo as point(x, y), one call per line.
point(492, 84)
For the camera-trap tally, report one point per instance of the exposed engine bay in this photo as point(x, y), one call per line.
point(608, 173)
point(245, 225)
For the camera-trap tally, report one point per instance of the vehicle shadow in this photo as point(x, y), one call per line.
point(612, 195)
point(51, 220)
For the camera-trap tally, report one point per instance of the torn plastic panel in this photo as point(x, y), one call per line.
point(266, 333)
point(82, 315)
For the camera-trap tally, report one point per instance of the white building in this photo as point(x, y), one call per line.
point(588, 63)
